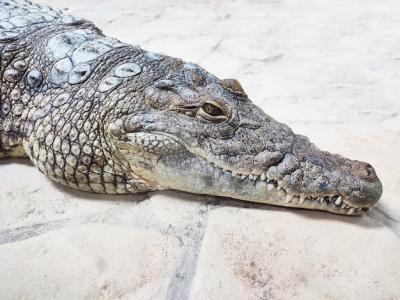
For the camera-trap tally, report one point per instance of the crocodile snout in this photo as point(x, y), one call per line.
point(364, 189)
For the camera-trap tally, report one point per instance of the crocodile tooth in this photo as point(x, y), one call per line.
point(263, 177)
point(338, 201)
point(343, 205)
point(234, 174)
point(251, 177)
point(270, 186)
point(351, 210)
point(321, 199)
point(301, 199)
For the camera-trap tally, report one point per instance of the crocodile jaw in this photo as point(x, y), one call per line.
point(163, 158)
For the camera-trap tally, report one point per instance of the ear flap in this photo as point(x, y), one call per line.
point(233, 86)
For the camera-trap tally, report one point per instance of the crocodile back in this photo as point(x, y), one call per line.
point(62, 81)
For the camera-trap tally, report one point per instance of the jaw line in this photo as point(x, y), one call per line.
point(282, 196)
point(302, 201)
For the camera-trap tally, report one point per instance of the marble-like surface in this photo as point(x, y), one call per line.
point(329, 69)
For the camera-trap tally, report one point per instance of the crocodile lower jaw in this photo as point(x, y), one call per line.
point(281, 197)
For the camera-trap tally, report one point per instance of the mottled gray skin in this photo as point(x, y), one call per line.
point(99, 115)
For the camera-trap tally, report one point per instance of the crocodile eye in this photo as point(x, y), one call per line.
point(212, 110)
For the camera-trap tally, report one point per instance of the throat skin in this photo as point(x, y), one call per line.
point(99, 115)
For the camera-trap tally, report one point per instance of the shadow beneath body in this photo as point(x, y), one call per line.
point(20, 161)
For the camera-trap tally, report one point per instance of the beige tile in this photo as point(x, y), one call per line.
point(281, 254)
point(94, 261)
point(328, 69)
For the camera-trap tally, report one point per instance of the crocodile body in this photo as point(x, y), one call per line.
point(59, 85)
point(99, 115)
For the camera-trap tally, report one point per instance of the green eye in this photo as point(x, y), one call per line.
point(212, 110)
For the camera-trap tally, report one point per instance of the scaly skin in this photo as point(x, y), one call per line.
point(99, 115)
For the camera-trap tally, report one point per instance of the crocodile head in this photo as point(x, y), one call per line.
point(200, 134)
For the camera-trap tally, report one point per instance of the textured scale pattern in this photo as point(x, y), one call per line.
point(60, 77)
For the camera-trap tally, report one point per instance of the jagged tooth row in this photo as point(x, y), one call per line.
point(254, 177)
point(334, 200)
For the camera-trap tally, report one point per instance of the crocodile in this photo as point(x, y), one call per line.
point(99, 115)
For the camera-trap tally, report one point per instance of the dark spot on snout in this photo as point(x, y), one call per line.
point(324, 184)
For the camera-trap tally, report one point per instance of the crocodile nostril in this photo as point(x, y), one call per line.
point(368, 171)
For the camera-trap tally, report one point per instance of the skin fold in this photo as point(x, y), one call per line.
point(99, 115)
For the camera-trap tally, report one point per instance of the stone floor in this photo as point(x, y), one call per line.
point(329, 69)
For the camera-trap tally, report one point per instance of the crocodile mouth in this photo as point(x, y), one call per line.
point(224, 182)
point(334, 203)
